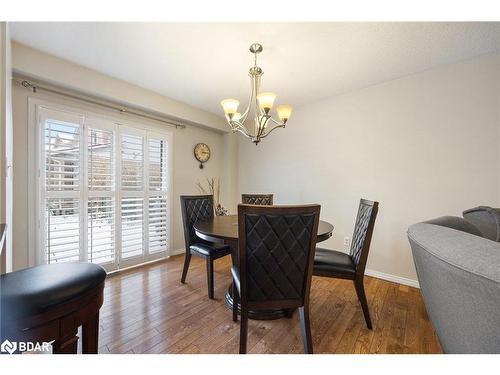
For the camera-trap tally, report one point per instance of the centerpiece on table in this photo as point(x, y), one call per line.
point(213, 189)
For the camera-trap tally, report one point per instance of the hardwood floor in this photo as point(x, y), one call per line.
point(148, 310)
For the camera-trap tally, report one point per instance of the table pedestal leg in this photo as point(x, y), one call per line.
point(258, 314)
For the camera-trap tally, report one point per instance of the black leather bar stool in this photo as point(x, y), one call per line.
point(50, 302)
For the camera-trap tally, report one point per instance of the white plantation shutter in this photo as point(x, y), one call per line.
point(157, 187)
point(132, 192)
point(60, 173)
point(104, 191)
point(101, 234)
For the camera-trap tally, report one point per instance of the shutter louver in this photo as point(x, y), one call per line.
point(100, 160)
point(62, 156)
point(63, 230)
point(157, 220)
point(157, 165)
point(157, 224)
point(101, 230)
point(132, 227)
point(132, 163)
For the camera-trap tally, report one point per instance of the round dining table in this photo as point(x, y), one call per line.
point(224, 229)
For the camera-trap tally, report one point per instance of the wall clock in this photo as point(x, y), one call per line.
point(202, 153)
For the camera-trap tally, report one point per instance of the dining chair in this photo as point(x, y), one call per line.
point(259, 199)
point(194, 208)
point(336, 264)
point(275, 263)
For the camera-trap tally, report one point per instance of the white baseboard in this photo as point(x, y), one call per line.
point(392, 278)
point(372, 273)
point(177, 252)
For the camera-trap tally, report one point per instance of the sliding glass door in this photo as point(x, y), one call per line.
point(103, 190)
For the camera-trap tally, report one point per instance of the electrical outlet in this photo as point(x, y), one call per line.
point(347, 241)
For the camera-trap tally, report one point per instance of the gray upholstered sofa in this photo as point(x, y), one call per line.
point(459, 275)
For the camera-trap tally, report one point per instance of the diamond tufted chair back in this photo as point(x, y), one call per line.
point(363, 230)
point(276, 254)
point(193, 208)
point(257, 199)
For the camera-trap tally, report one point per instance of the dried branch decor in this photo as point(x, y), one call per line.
point(213, 189)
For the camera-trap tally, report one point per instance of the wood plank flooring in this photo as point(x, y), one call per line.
point(148, 310)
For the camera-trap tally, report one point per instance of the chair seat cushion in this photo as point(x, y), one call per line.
point(335, 262)
point(37, 289)
point(210, 250)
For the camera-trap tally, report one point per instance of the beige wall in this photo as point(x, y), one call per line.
point(423, 146)
point(57, 71)
point(185, 167)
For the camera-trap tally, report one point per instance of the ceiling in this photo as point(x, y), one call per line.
point(202, 63)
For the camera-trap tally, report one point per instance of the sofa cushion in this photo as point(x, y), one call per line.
point(486, 219)
point(455, 222)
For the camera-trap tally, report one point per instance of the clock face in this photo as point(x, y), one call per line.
point(201, 152)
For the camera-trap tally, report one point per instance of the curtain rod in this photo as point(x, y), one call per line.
point(35, 86)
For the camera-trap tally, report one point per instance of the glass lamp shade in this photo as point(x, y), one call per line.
point(230, 106)
point(266, 100)
point(284, 112)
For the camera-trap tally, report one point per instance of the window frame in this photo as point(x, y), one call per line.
point(38, 109)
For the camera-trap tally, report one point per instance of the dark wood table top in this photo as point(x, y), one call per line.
point(226, 228)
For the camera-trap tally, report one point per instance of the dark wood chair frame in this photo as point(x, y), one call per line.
point(358, 277)
point(209, 259)
point(61, 324)
point(241, 296)
point(249, 198)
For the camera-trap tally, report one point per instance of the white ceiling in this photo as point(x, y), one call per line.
point(202, 63)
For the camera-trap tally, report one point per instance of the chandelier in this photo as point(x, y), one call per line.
point(262, 102)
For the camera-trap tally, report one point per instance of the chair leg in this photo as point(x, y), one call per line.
point(187, 259)
point(243, 330)
point(360, 290)
point(305, 327)
point(90, 335)
point(210, 278)
point(235, 302)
